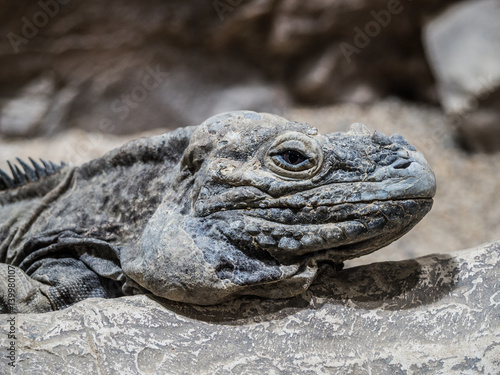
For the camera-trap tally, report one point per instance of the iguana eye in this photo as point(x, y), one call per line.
point(293, 157)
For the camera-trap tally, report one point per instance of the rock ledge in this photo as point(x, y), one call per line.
point(438, 314)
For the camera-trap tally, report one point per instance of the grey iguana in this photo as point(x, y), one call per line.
point(244, 204)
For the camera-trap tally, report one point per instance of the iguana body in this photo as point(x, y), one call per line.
point(245, 203)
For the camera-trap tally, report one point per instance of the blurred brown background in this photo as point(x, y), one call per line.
point(79, 78)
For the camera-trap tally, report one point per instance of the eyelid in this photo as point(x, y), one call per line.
point(305, 165)
point(307, 146)
point(292, 145)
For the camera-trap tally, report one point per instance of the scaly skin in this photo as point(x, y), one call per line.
point(244, 204)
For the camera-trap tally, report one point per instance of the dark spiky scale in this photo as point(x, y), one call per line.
point(28, 171)
point(27, 174)
point(56, 167)
point(18, 176)
point(22, 177)
point(5, 181)
point(40, 171)
point(13, 173)
point(48, 166)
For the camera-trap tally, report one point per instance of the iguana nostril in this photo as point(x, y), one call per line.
point(401, 164)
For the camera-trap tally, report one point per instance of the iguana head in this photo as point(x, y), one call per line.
point(260, 202)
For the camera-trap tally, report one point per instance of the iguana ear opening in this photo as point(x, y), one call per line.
point(200, 146)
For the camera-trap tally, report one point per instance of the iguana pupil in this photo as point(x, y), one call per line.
point(293, 157)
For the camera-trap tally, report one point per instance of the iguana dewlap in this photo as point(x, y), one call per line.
point(244, 204)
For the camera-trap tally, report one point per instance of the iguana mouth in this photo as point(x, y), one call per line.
point(286, 235)
point(334, 212)
point(300, 246)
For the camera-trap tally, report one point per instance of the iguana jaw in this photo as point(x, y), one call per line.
point(191, 272)
point(421, 185)
point(288, 236)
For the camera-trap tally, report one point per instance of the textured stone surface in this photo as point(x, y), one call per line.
point(433, 315)
point(463, 45)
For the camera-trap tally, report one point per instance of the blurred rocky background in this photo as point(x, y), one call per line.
point(125, 66)
point(79, 78)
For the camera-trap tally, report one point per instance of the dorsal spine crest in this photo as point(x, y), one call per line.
point(26, 173)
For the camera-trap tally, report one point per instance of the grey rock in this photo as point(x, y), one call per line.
point(437, 314)
point(337, 51)
point(21, 115)
point(154, 65)
point(463, 45)
point(256, 55)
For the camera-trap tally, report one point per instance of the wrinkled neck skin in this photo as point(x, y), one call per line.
point(261, 203)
